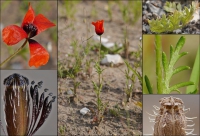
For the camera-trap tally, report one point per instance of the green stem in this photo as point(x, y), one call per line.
point(15, 53)
point(100, 50)
point(99, 81)
point(158, 47)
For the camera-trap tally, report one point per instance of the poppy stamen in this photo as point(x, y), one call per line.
point(30, 29)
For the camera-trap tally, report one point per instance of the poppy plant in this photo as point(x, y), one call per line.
point(99, 27)
point(31, 26)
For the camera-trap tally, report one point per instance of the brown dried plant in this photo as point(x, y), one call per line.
point(171, 119)
point(25, 112)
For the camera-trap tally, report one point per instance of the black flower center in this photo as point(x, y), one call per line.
point(30, 29)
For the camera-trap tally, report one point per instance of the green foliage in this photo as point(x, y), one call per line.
point(168, 66)
point(115, 111)
point(109, 10)
point(171, 6)
point(62, 130)
point(113, 50)
point(97, 89)
point(165, 68)
point(5, 4)
point(70, 12)
point(193, 89)
point(131, 11)
point(131, 73)
point(148, 85)
point(177, 20)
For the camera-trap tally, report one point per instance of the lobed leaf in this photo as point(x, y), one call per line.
point(175, 87)
point(182, 54)
point(177, 20)
point(179, 69)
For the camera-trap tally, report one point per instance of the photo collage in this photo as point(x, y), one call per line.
point(100, 67)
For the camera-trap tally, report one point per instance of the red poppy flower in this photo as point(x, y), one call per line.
point(32, 25)
point(98, 27)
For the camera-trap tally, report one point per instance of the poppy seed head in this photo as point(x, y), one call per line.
point(30, 29)
point(16, 78)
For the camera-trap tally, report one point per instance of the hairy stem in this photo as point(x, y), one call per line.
point(158, 47)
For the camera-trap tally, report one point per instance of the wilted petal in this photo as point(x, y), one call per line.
point(42, 23)
point(29, 17)
point(13, 34)
point(38, 54)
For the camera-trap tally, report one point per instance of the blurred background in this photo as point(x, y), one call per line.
point(149, 58)
point(13, 12)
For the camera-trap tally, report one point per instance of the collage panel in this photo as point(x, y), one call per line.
point(95, 67)
point(28, 97)
point(99, 67)
point(160, 111)
point(29, 34)
point(170, 17)
point(171, 64)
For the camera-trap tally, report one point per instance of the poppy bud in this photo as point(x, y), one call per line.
point(98, 27)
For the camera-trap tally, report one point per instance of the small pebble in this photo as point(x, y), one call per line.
point(84, 111)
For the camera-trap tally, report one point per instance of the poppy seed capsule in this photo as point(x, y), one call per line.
point(16, 104)
point(30, 29)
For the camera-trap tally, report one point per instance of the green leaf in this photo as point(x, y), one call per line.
point(193, 92)
point(179, 69)
point(195, 74)
point(180, 43)
point(178, 91)
point(170, 7)
point(148, 84)
point(178, 19)
point(171, 51)
point(175, 87)
point(182, 54)
point(95, 87)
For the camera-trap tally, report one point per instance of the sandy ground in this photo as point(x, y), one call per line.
point(70, 121)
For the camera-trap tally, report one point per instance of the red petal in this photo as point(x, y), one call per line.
point(99, 27)
point(13, 34)
point(29, 17)
point(42, 23)
point(38, 54)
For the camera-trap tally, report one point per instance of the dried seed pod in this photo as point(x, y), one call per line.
point(171, 119)
point(16, 104)
point(22, 116)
